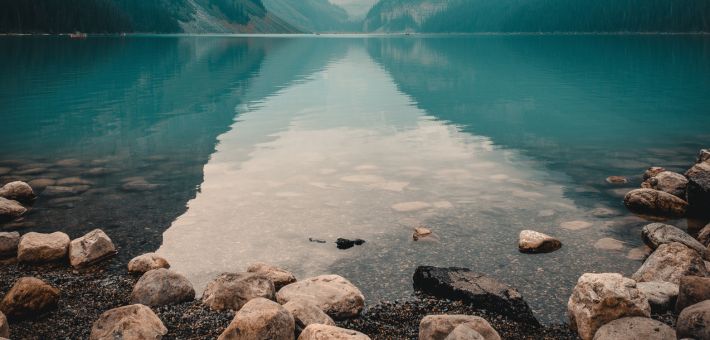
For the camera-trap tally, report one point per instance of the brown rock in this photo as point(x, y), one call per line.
point(652, 171)
point(29, 298)
point(37, 247)
point(90, 248)
point(692, 289)
point(146, 262)
point(634, 328)
point(277, 275)
point(10, 210)
point(694, 322)
point(260, 319)
point(18, 191)
point(438, 327)
point(704, 235)
point(661, 295)
point(530, 241)
point(617, 180)
point(464, 332)
point(669, 263)
point(698, 191)
point(333, 294)
point(160, 287)
point(128, 322)
point(234, 290)
point(670, 182)
point(328, 332)
point(41, 183)
point(8, 243)
point(4, 327)
point(306, 312)
point(655, 202)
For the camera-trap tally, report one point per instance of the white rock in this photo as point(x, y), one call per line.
point(661, 295)
point(530, 241)
point(333, 294)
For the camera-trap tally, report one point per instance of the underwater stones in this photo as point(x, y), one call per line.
point(439, 327)
point(29, 297)
point(604, 212)
point(670, 182)
point(655, 234)
point(64, 202)
point(661, 295)
point(64, 191)
point(410, 206)
point(462, 284)
point(160, 287)
point(4, 171)
point(8, 243)
point(638, 253)
point(306, 313)
point(67, 181)
point(41, 183)
point(68, 163)
point(530, 241)
point(692, 289)
point(99, 171)
point(652, 171)
point(38, 247)
point(278, 276)
point(10, 210)
point(633, 328)
point(694, 322)
point(128, 322)
point(329, 332)
point(260, 319)
point(139, 186)
point(18, 191)
point(343, 243)
point(655, 202)
point(333, 294)
point(608, 243)
point(698, 191)
point(600, 298)
point(575, 225)
point(617, 180)
point(669, 263)
point(90, 248)
point(146, 262)
point(234, 290)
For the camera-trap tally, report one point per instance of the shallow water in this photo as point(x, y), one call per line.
point(221, 151)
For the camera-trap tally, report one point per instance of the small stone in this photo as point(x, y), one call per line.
point(306, 313)
point(635, 328)
point(10, 210)
point(410, 206)
point(138, 186)
point(530, 241)
point(18, 191)
point(343, 243)
point(669, 263)
point(128, 322)
point(63, 191)
point(617, 180)
point(692, 289)
point(29, 297)
point(575, 225)
point(160, 287)
point(605, 212)
point(329, 332)
point(260, 319)
point(37, 247)
point(277, 275)
point(694, 322)
point(234, 290)
point(438, 327)
point(333, 294)
point(652, 171)
point(655, 202)
point(90, 248)
point(420, 233)
point(146, 262)
point(608, 243)
point(661, 295)
point(8, 243)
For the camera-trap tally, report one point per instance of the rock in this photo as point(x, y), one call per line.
point(575, 225)
point(233, 290)
point(438, 327)
point(343, 243)
point(306, 313)
point(617, 180)
point(601, 298)
point(277, 275)
point(10, 210)
point(638, 253)
point(18, 191)
point(4, 327)
point(5, 171)
point(661, 295)
point(464, 332)
point(146, 262)
point(90, 248)
point(605, 212)
point(655, 202)
point(37, 247)
point(160, 287)
point(694, 322)
point(333, 294)
point(8, 243)
point(474, 288)
point(260, 319)
point(64, 202)
point(99, 171)
point(652, 171)
point(64, 191)
point(633, 328)
point(328, 332)
point(29, 297)
point(608, 243)
point(138, 186)
point(670, 182)
point(692, 289)
point(421, 232)
point(41, 183)
point(69, 162)
point(703, 156)
point(698, 191)
point(128, 322)
point(73, 181)
point(655, 234)
point(704, 235)
point(534, 242)
point(669, 263)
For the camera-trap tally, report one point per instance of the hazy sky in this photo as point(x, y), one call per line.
point(356, 8)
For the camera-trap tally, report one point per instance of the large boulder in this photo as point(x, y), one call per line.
point(128, 322)
point(306, 313)
point(655, 202)
point(10, 210)
point(530, 241)
point(260, 319)
point(8, 243)
point(29, 297)
point(661, 295)
point(277, 275)
point(333, 294)
point(669, 263)
point(600, 298)
point(438, 327)
point(329, 332)
point(90, 248)
point(668, 181)
point(698, 192)
point(655, 234)
point(464, 332)
point(146, 262)
point(634, 328)
point(692, 289)
point(18, 191)
point(4, 327)
point(160, 287)
point(37, 247)
point(233, 290)
point(474, 288)
point(694, 322)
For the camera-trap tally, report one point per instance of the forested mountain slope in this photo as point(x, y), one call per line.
point(312, 15)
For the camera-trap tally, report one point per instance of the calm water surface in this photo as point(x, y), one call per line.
point(221, 151)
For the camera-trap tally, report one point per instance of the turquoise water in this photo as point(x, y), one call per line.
point(221, 151)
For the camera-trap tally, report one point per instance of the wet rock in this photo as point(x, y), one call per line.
point(438, 327)
point(68, 163)
point(4, 171)
point(29, 297)
point(90, 248)
point(63, 191)
point(37, 247)
point(41, 183)
point(139, 186)
point(669, 263)
point(160, 287)
point(661, 295)
point(333, 294)
point(600, 298)
point(464, 332)
point(64, 202)
point(638, 253)
point(474, 288)
point(575, 225)
point(146, 262)
point(4, 327)
point(530, 241)
point(329, 332)
point(277, 275)
point(608, 243)
point(233, 290)
point(10, 210)
point(18, 191)
point(652, 171)
point(704, 235)
point(605, 212)
point(128, 322)
point(655, 234)
point(698, 191)
point(306, 313)
point(260, 319)
point(694, 322)
point(670, 182)
point(617, 180)
point(703, 156)
point(655, 202)
point(633, 328)
point(420, 233)
point(692, 289)
point(343, 243)
point(8, 243)
point(99, 171)
point(68, 181)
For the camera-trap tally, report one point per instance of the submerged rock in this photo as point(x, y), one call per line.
point(260, 319)
point(306, 313)
point(8, 243)
point(277, 275)
point(138, 186)
point(698, 192)
point(233, 290)
point(634, 328)
point(329, 332)
point(41, 183)
point(608, 243)
point(18, 191)
point(617, 180)
point(68, 181)
point(146, 262)
point(655, 234)
point(694, 322)
point(343, 243)
point(438, 327)
point(575, 225)
point(10, 210)
point(474, 288)
point(661, 295)
point(128, 322)
point(333, 294)
point(29, 297)
point(410, 206)
point(530, 241)
point(692, 289)
point(64, 191)
point(160, 287)
point(655, 202)
point(669, 263)
point(37, 247)
point(670, 182)
point(600, 298)
point(652, 171)
point(90, 248)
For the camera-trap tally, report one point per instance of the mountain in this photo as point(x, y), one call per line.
point(158, 16)
point(312, 15)
point(466, 16)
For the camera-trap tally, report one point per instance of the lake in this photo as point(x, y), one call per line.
point(218, 151)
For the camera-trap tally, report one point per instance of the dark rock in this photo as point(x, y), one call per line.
point(310, 239)
point(474, 288)
point(704, 235)
point(692, 289)
point(344, 243)
point(698, 192)
point(8, 243)
point(694, 322)
point(655, 202)
point(29, 297)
